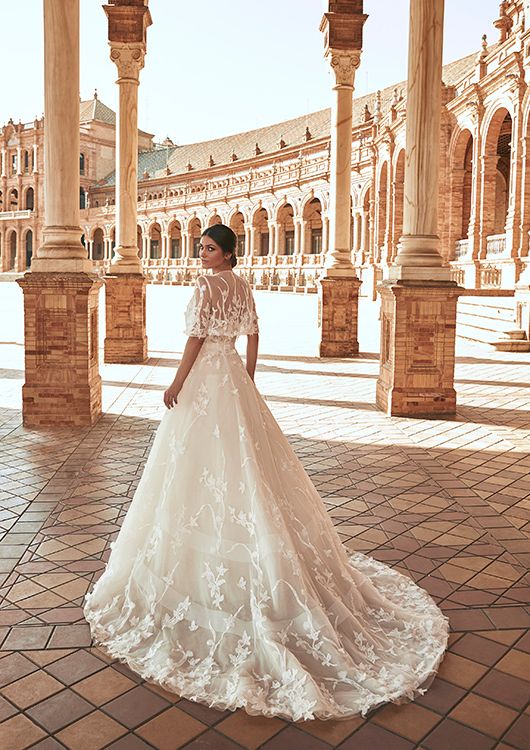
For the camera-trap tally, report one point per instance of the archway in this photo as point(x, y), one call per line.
point(13, 200)
point(260, 222)
point(98, 245)
point(30, 199)
point(496, 186)
point(312, 221)
point(195, 231)
point(381, 212)
point(175, 240)
point(214, 219)
point(12, 245)
point(286, 230)
point(237, 224)
point(29, 247)
point(155, 242)
point(399, 198)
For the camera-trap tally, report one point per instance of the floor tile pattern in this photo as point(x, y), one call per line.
point(445, 501)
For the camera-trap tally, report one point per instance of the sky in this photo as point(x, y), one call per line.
point(216, 67)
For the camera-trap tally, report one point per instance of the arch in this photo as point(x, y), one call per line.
point(26, 161)
point(260, 223)
point(312, 219)
point(82, 163)
point(28, 245)
point(98, 244)
point(497, 164)
point(382, 202)
point(155, 241)
point(82, 198)
point(13, 200)
point(286, 229)
point(460, 188)
point(12, 242)
point(237, 224)
point(175, 239)
point(194, 232)
point(214, 219)
point(29, 199)
point(399, 201)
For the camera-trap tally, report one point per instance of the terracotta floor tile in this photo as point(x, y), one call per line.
point(518, 735)
point(515, 663)
point(130, 742)
point(482, 650)
point(170, 730)
point(75, 667)
point(507, 637)
point(460, 671)
point(25, 638)
point(450, 735)
point(18, 733)
point(484, 715)
point(135, 706)
point(61, 709)
point(331, 731)
point(103, 686)
point(410, 720)
point(31, 689)
point(503, 688)
point(210, 740)
point(441, 696)
point(42, 658)
point(250, 731)
point(370, 737)
point(91, 732)
point(15, 666)
point(202, 713)
point(66, 636)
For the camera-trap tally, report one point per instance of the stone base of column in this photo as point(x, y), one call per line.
point(126, 340)
point(62, 385)
point(338, 310)
point(418, 324)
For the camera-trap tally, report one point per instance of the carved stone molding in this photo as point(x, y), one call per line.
point(129, 59)
point(344, 65)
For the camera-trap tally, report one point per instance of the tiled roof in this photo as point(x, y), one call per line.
point(94, 109)
point(292, 132)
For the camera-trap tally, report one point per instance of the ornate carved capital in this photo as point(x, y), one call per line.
point(344, 65)
point(129, 59)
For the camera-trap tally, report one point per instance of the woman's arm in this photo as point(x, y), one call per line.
point(191, 350)
point(252, 353)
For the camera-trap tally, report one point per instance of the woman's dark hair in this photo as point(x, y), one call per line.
point(225, 237)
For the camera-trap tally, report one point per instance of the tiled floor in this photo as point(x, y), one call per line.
point(447, 502)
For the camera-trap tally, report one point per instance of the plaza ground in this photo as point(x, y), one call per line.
point(445, 501)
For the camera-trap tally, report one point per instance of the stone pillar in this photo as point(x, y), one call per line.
point(338, 286)
point(62, 383)
point(418, 314)
point(126, 339)
point(273, 238)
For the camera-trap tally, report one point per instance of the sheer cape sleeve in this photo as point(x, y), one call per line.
point(198, 312)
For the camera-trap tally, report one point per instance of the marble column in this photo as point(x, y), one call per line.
point(126, 340)
point(338, 286)
point(62, 382)
point(418, 314)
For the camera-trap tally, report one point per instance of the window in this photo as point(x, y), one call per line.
point(81, 164)
point(196, 246)
point(155, 249)
point(289, 243)
point(316, 241)
point(82, 198)
point(13, 163)
point(264, 244)
point(175, 247)
point(30, 199)
point(26, 161)
point(240, 249)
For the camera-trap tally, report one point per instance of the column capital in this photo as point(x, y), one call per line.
point(129, 59)
point(344, 64)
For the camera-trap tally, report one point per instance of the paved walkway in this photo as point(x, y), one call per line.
point(447, 502)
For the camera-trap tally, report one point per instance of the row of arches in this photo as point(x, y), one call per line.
point(26, 162)
point(287, 234)
point(11, 202)
point(14, 243)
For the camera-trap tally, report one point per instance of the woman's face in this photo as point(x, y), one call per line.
point(211, 254)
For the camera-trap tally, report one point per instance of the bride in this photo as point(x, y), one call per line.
point(228, 583)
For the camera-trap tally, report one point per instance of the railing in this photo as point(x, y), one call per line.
point(458, 275)
point(8, 215)
point(462, 248)
point(490, 277)
point(496, 245)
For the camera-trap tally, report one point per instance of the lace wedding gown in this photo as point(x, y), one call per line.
point(228, 583)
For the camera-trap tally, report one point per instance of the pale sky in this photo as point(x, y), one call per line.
point(215, 67)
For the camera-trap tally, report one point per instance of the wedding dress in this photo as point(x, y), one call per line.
point(228, 583)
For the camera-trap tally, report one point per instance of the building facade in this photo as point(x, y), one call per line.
point(271, 185)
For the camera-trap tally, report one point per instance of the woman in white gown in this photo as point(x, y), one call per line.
point(228, 583)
